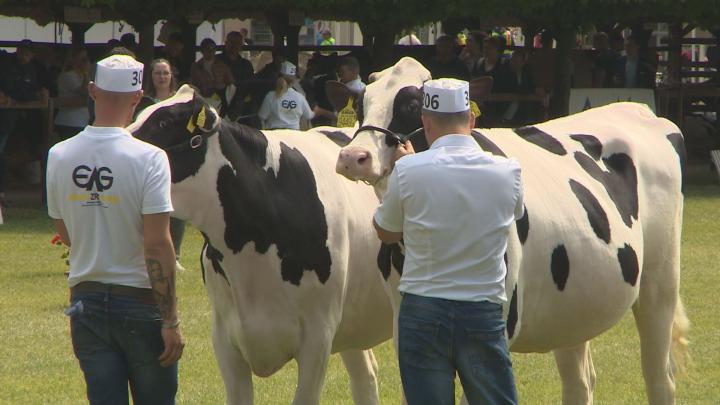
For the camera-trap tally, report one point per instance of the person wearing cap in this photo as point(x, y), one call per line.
point(285, 106)
point(452, 206)
point(109, 196)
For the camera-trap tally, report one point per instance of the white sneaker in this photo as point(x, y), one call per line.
point(178, 266)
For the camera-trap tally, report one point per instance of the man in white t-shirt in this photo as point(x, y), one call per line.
point(109, 195)
point(453, 206)
point(284, 107)
point(349, 73)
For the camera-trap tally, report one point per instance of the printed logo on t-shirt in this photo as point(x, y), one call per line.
point(96, 181)
point(288, 104)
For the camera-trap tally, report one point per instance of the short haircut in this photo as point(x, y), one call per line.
point(208, 42)
point(351, 62)
point(448, 119)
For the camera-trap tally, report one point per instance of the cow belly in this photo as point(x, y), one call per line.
point(594, 298)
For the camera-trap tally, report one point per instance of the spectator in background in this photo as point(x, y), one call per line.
point(284, 107)
point(446, 64)
point(21, 81)
point(173, 53)
point(327, 38)
point(634, 70)
point(492, 63)
point(127, 40)
point(320, 70)
point(210, 75)
point(349, 73)
point(246, 36)
point(604, 60)
point(241, 68)
point(519, 81)
point(161, 86)
point(472, 53)
point(72, 84)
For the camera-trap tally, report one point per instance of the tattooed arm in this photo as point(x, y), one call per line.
point(160, 262)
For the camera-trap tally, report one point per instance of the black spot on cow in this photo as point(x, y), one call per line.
point(215, 257)
point(678, 143)
point(407, 107)
point(542, 139)
point(620, 181)
point(339, 137)
point(359, 106)
point(595, 213)
point(512, 314)
point(523, 226)
point(268, 208)
point(591, 144)
point(390, 256)
point(560, 266)
point(167, 127)
point(486, 144)
point(628, 264)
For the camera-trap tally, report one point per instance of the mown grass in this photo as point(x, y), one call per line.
point(37, 365)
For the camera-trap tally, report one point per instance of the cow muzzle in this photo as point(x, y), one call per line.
point(355, 163)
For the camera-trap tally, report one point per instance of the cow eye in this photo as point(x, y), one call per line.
point(162, 124)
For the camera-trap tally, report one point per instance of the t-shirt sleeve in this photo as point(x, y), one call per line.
point(264, 112)
point(389, 215)
point(156, 193)
point(520, 203)
point(52, 197)
point(307, 113)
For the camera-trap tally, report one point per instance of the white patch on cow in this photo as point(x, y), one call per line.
point(273, 151)
point(183, 95)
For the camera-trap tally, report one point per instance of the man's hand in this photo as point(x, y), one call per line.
point(402, 150)
point(174, 345)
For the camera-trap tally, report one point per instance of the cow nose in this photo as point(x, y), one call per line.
point(354, 163)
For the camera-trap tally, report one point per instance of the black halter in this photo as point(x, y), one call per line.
point(391, 138)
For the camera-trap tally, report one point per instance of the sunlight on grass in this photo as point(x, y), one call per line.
point(37, 365)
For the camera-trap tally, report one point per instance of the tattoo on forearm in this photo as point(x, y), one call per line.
point(163, 286)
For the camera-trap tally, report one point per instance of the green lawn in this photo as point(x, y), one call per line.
point(37, 365)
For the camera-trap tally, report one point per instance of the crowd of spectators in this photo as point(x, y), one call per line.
point(237, 88)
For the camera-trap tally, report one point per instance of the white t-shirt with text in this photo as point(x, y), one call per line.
point(100, 183)
point(285, 111)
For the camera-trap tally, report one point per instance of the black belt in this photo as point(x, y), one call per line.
point(144, 295)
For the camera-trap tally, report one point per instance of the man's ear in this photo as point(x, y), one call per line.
point(92, 90)
point(137, 97)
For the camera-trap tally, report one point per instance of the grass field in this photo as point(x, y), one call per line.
point(37, 365)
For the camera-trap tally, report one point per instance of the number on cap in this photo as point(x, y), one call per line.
point(136, 78)
point(431, 102)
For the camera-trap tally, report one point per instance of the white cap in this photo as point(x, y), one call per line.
point(288, 69)
point(446, 95)
point(119, 73)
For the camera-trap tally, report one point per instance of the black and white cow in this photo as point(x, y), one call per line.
point(287, 267)
point(601, 233)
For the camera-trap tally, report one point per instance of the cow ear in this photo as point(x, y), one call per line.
point(204, 118)
point(338, 94)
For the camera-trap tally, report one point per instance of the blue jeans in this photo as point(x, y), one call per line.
point(439, 337)
point(117, 341)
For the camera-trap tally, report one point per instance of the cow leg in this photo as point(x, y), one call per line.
point(312, 363)
point(654, 319)
point(234, 369)
point(362, 369)
point(576, 373)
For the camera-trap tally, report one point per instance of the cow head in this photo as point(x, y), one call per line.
point(179, 125)
point(391, 107)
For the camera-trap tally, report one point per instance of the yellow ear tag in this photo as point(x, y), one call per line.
point(475, 109)
point(347, 117)
point(201, 118)
point(190, 125)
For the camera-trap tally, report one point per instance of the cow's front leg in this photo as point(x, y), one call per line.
point(362, 369)
point(312, 363)
point(234, 369)
point(577, 374)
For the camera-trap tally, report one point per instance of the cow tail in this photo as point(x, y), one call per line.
point(680, 356)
